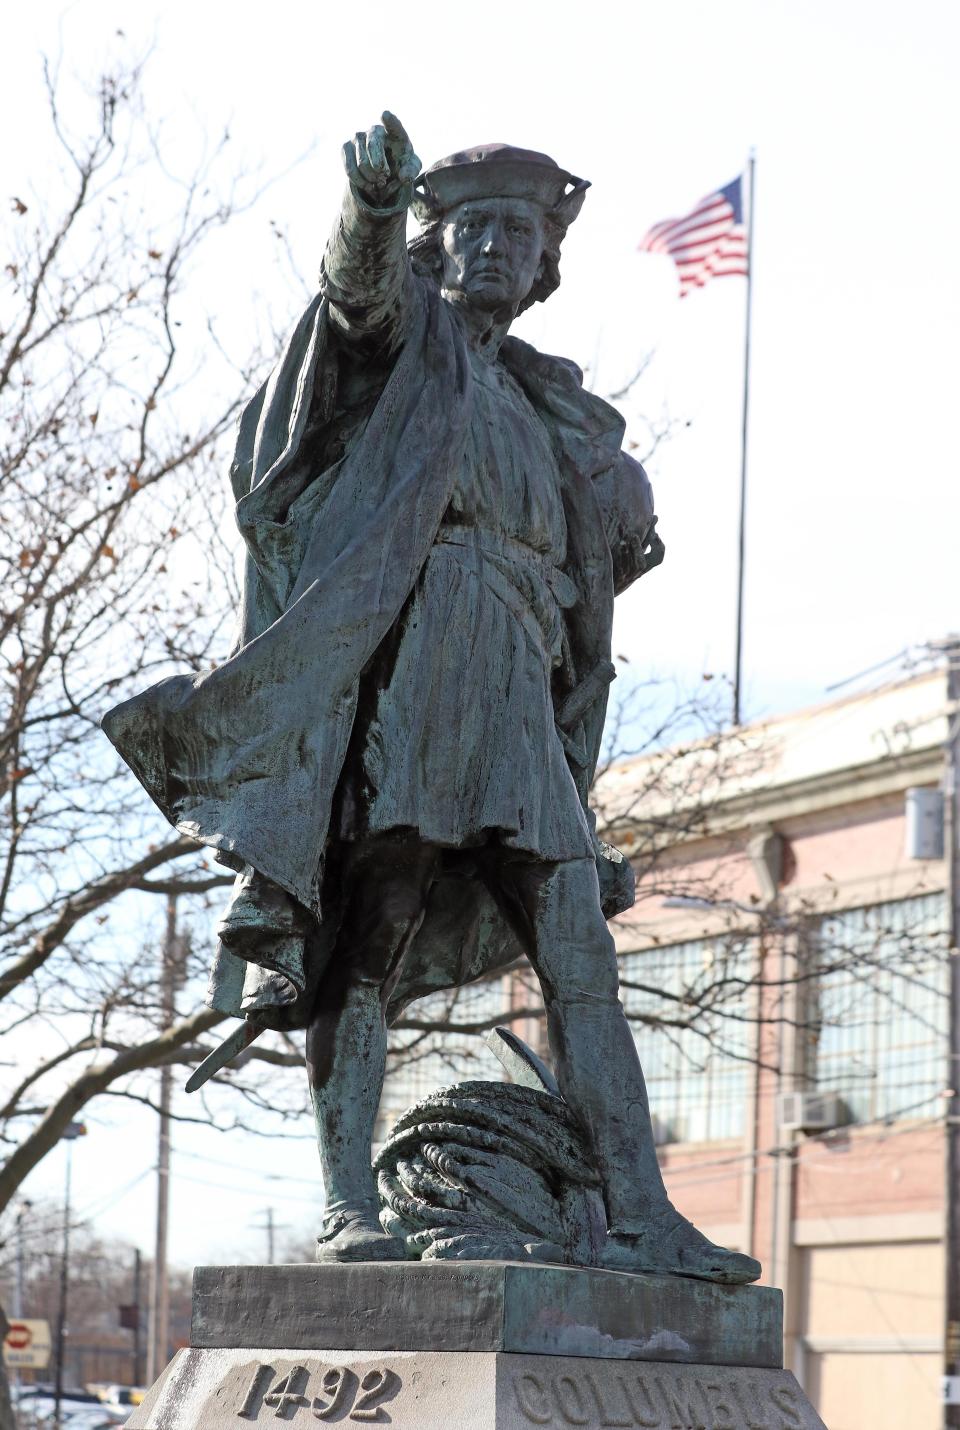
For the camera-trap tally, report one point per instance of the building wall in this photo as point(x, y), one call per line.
point(872, 1323)
point(849, 1223)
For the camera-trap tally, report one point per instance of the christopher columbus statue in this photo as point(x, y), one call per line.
point(395, 759)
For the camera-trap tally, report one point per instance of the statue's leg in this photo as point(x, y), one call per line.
point(599, 1072)
point(385, 883)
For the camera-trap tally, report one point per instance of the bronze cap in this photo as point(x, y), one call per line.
point(492, 171)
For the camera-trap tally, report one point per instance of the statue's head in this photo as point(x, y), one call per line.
point(492, 221)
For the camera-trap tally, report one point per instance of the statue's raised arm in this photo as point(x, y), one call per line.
point(366, 271)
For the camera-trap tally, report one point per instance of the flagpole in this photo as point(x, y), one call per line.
point(738, 668)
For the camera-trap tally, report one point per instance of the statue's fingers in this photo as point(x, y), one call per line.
point(365, 169)
point(377, 149)
point(395, 129)
point(350, 160)
point(410, 167)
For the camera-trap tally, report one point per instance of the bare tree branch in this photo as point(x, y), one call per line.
point(95, 1079)
point(83, 902)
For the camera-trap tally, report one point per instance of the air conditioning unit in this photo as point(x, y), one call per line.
point(810, 1111)
point(924, 823)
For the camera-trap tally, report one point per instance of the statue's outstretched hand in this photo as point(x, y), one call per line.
point(381, 161)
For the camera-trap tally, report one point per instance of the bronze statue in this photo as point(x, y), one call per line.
point(396, 757)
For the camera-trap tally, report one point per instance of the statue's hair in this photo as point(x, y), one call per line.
point(426, 257)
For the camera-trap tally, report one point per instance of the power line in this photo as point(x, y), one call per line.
point(251, 1171)
point(870, 670)
point(110, 1199)
point(248, 1191)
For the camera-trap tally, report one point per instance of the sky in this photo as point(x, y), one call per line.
point(851, 107)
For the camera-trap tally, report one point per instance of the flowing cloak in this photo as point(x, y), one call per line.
point(246, 758)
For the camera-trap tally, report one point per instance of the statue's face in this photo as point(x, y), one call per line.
point(492, 251)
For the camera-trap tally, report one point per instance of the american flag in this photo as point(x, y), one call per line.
point(709, 242)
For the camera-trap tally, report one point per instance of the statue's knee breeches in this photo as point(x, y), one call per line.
point(571, 947)
point(587, 984)
point(370, 943)
point(385, 884)
point(580, 971)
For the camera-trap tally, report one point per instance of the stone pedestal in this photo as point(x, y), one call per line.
point(475, 1346)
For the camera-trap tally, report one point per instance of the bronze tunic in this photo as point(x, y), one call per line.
point(455, 737)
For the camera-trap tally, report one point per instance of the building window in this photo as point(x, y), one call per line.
point(689, 1009)
point(877, 1009)
point(421, 1061)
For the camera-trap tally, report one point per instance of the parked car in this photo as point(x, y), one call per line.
point(121, 1394)
point(36, 1412)
point(43, 1390)
point(102, 1417)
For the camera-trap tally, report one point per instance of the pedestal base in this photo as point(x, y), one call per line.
point(465, 1390)
point(476, 1346)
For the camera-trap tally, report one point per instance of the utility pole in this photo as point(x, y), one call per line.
point(271, 1228)
point(137, 1353)
point(159, 1342)
point(73, 1131)
point(22, 1210)
point(951, 1346)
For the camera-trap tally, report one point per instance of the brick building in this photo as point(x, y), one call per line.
point(790, 955)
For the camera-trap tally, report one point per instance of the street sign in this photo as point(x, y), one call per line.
point(27, 1345)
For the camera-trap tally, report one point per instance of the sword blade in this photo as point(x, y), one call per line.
point(231, 1047)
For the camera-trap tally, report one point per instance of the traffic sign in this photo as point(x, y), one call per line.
point(27, 1345)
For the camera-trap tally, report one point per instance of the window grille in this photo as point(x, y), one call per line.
point(697, 1075)
point(419, 1063)
point(877, 1008)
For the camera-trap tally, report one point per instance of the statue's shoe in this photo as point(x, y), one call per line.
point(671, 1245)
point(356, 1235)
